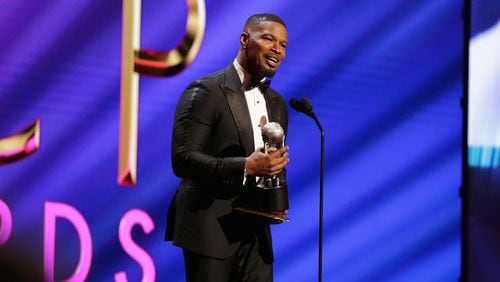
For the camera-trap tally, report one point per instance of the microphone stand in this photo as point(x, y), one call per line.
point(321, 189)
point(305, 106)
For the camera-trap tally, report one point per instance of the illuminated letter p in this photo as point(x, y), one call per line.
point(137, 61)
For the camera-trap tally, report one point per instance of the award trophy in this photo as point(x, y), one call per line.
point(269, 197)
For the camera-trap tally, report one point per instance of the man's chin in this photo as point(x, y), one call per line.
point(267, 72)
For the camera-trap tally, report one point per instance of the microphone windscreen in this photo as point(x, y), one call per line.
point(296, 105)
point(306, 104)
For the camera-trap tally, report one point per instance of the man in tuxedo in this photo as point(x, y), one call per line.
point(216, 150)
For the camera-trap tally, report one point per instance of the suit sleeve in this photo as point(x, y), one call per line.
point(195, 117)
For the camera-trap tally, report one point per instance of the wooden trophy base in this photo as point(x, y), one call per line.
point(274, 217)
point(270, 204)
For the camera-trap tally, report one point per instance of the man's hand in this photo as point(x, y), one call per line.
point(272, 163)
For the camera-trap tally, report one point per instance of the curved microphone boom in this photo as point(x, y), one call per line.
point(304, 106)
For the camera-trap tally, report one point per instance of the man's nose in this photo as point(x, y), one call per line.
point(276, 48)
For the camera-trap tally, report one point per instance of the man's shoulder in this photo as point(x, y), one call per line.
point(208, 85)
point(214, 78)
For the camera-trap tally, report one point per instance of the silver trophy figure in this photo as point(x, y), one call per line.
point(273, 136)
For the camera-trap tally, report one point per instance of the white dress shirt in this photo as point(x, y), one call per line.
point(256, 106)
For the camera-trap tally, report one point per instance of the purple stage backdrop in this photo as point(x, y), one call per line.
point(384, 78)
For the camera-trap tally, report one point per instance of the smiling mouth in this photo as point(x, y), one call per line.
point(272, 61)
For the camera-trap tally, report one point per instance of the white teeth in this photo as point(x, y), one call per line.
point(273, 60)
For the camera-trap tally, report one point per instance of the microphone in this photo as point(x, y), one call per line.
point(303, 106)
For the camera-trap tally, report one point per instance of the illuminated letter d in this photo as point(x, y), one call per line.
point(52, 212)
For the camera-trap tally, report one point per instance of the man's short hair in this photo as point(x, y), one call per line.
point(257, 18)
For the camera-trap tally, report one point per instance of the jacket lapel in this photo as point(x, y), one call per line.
point(272, 104)
point(237, 103)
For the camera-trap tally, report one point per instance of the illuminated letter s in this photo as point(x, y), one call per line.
point(128, 221)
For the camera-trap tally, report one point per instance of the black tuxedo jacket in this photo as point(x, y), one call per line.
point(211, 137)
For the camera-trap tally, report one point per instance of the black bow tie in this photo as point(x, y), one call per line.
point(263, 85)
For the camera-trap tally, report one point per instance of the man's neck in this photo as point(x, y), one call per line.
point(245, 77)
point(242, 73)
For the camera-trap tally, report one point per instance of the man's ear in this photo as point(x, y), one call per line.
point(244, 40)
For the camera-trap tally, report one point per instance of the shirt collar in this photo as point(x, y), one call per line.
point(243, 74)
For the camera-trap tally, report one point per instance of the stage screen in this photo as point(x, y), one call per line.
point(483, 197)
point(385, 80)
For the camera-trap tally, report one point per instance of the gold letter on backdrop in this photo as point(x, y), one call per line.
point(137, 61)
point(20, 145)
